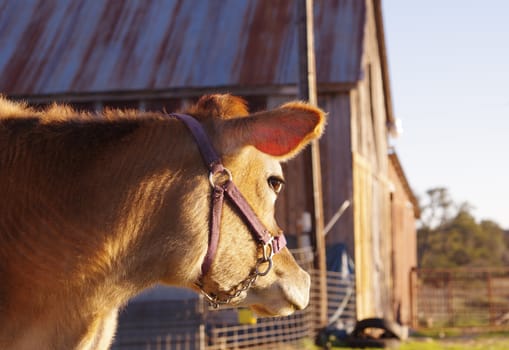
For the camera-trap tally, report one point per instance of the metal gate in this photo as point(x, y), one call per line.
point(461, 297)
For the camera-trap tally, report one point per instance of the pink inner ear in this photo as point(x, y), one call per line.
point(284, 137)
point(278, 148)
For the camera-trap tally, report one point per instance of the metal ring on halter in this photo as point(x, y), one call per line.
point(223, 174)
point(260, 262)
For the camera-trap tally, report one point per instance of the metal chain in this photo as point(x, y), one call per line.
point(235, 292)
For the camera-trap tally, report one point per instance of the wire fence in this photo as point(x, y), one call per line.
point(161, 324)
point(463, 298)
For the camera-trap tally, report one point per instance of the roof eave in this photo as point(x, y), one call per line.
point(393, 157)
point(179, 92)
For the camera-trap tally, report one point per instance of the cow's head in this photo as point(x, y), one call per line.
point(252, 147)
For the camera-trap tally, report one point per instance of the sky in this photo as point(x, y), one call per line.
point(449, 76)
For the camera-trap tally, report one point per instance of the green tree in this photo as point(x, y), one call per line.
point(449, 235)
point(437, 210)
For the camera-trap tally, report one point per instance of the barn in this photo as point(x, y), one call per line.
point(164, 54)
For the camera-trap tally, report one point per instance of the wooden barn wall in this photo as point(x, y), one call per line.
point(336, 163)
point(404, 247)
point(364, 245)
point(371, 187)
point(369, 131)
point(371, 201)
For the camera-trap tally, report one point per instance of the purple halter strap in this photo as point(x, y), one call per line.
point(222, 184)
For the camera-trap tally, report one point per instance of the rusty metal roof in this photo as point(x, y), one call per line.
point(62, 46)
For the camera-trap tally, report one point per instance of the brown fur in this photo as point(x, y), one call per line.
point(96, 208)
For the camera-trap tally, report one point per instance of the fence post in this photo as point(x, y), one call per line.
point(450, 301)
point(490, 298)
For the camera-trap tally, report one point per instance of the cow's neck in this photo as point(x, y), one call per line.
point(92, 205)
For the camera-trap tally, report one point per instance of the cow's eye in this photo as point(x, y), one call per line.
point(276, 183)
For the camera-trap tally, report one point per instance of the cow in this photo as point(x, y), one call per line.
point(98, 206)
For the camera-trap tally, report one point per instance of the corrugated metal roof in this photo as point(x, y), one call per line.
point(62, 46)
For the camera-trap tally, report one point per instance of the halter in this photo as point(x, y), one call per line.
point(221, 181)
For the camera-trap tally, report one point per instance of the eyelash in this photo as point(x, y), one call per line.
point(276, 184)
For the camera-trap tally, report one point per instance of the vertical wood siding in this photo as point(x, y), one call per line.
point(336, 161)
point(404, 242)
point(371, 186)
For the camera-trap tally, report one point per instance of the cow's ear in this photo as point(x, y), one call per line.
point(282, 132)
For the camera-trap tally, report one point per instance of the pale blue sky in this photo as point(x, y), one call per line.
point(449, 71)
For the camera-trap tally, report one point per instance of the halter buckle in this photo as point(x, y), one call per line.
point(270, 247)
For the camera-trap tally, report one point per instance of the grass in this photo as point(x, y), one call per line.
point(489, 341)
point(477, 343)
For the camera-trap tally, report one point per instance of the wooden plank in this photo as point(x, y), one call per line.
point(363, 238)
